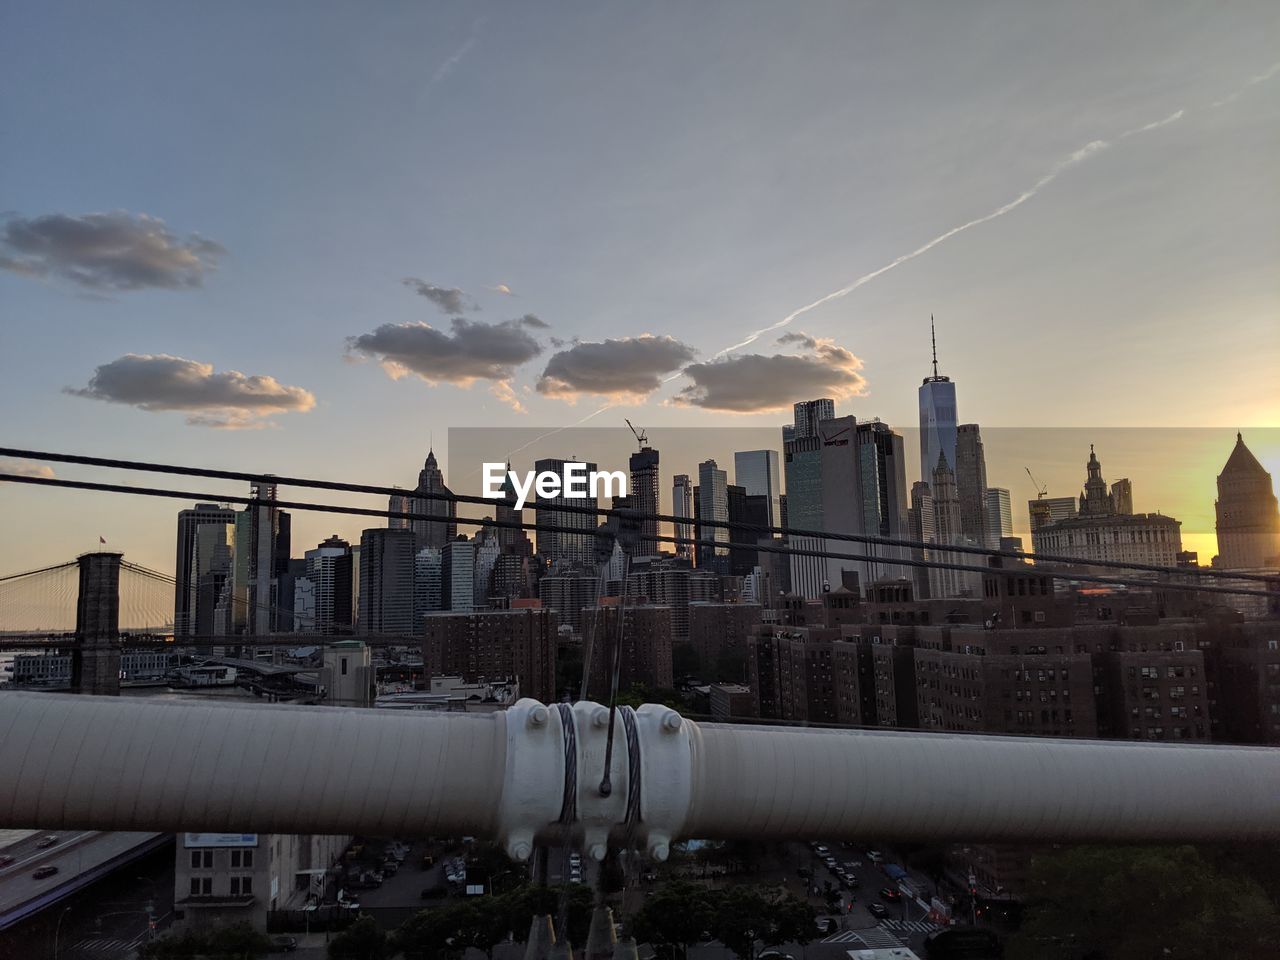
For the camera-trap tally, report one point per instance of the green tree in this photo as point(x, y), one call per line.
point(1136, 903)
point(675, 915)
point(237, 942)
point(747, 915)
point(363, 940)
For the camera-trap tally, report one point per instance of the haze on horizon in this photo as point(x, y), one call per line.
point(312, 239)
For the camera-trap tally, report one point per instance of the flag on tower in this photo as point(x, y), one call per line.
point(101, 539)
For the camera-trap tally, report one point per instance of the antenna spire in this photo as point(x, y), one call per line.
point(933, 336)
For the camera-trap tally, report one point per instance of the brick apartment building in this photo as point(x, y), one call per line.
point(495, 645)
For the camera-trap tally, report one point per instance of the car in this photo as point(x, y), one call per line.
point(41, 873)
point(283, 944)
point(850, 866)
point(45, 842)
point(390, 868)
point(6, 861)
point(890, 894)
point(830, 862)
point(775, 955)
point(821, 850)
point(877, 910)
point(875, 856)
point(849, 883)
point(825, 925)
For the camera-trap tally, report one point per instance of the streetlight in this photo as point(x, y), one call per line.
point(58, 929)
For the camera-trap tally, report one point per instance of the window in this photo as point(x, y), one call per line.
point(241, 858)
point(344, 666)
point(201, 886)
point(241, 886)
point(201, 859)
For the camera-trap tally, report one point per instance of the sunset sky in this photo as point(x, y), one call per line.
point(313, 238)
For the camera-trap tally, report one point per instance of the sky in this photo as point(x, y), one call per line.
point(313, 238)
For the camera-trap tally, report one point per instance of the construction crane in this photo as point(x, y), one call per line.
point(1041, 490)
point(641, 437)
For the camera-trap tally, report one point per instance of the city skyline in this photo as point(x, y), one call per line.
point(900, 208)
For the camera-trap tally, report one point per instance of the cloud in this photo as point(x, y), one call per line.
point(450, 300)
point(754, 383)
point(532, 320)
point(473, 350)
point(229, 400)
point(631, 366)
point(25, 468)
point(106, 251)
point(801, 338)
point(503, 289)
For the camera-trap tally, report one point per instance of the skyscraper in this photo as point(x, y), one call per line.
point(400, 503)
point(682, 506)
point(644, 496)
point(329, 570)
point(434, 533)
point(756, 471)
point(200, 552)
point(882, 477)
point(386, 581)
point(938, 423)
point(947, 530)
point(262, 543)
point(970, 467)
point(561, 548)
point(1248, 519)
point(922, 527)
point(999, 515)
point(713, 505)
point(807, 414)
point(802, 464)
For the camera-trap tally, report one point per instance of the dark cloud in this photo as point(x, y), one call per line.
point(106, 251)
point(753, 383)
point(230, 400)
point(531, 320)
point(632, 366)
point(450, 300)
point(473, 350)
point(801, 338)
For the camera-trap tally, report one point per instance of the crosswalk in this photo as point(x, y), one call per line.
point(910, 926)
point(105, 948)
point(870, 937)
point(883, 935)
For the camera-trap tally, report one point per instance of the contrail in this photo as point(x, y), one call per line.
point(1076, 157)
point(1072, 159)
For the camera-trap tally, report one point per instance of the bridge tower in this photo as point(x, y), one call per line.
point(95, 664)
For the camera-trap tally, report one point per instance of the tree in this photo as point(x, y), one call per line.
point(675, 915)
point(363, 940)
point(745, 915)
point(237, 942)
point(1135, 903)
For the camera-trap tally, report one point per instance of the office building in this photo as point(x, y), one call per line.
point(644, 497)
point(682, 506)
point(400, 503)
point(386, 581)
point(938, 423)
point(458, 575)
point(745, 512)
point(328, 568)
point(802, 465)
point(971, 485)
point(713, 505)
point(428, 582)
point(1046, 510)
point(1248, 519)
point(807, 414)
point(999, 516)
point(756, 471)
point(673, 584)
point(882, 477)
point(204, 548)
point(718, 633)
point(558, 548)
point(433, 498)
point(567, 591)
point(1101, 532)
